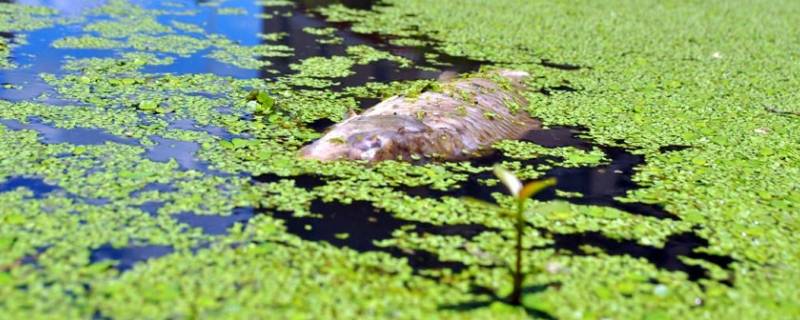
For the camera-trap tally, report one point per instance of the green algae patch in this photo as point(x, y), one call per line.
point(177, 44)
point(363, 54)
point(187, 27)
point(129, 62)
point(329, 31)
point(325, 35)
point(88, 42)
point(16, 17)
point(276, 3)
point(572, 157)
point(229, 11)
point(129, 26)
point(248, 57)
point(319, 67)
point(5, 52)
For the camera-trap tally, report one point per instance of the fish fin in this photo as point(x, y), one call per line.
point(515, 75)
point(350, 113)
point(447, 76)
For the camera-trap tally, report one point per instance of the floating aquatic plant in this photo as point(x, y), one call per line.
point(261, 102)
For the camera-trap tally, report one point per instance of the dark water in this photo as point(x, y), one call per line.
point(599, 185)
point(359, 224)
point(667, 257)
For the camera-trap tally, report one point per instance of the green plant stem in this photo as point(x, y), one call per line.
point(516, 294)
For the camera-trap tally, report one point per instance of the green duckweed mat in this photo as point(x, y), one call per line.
point(136, 185)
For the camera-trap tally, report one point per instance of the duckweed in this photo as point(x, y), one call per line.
point(334, 67)
point(572, 157)
point(5, 52)
point(645, 76)
point(365, 55)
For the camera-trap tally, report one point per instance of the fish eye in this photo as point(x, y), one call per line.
point(366, 143)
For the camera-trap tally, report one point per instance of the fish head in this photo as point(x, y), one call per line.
point(517, 77)
point(369, 138)
point(514, 75)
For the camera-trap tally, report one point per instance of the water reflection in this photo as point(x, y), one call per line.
point(38, 56)
point(64, 7)
point(292, 20)
point(37, 186)
point(78, 136)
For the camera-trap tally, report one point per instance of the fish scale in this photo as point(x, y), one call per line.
point(463, 119)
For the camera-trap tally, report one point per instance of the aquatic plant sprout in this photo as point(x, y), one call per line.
point(521, 193)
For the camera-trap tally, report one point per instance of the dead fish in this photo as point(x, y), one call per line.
point(456, 122)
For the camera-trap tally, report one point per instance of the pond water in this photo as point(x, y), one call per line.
point(36, 55)
point(598, 185)
point(359, 225)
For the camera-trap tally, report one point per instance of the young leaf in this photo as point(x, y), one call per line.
point(265, 100)
point(509, 180)
point(532, 188)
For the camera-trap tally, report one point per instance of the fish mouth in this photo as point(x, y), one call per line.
point(318, 153)
point(308, 154)
point(323, 150)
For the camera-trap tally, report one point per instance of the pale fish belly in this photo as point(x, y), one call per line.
point(465, 117)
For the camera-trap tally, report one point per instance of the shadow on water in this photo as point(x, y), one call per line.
point(598, 186)
point(493, 297)
point(359, 224)
point(667, 257)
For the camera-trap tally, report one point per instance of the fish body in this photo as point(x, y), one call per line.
point(463, 118)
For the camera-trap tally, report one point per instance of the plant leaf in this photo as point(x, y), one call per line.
point(265, 100)
point(532, 188)
point(509, 180)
